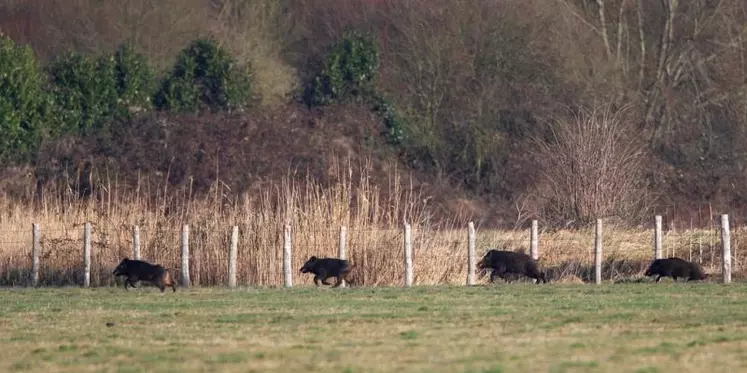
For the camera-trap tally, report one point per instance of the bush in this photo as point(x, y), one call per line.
point(205, 76)
point(590, 167)
point(135, 81)
point(84, 91)
point(348, 71)
point(395, 122)
point(21, 101)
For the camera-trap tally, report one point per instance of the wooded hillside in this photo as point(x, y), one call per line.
point(563, 110)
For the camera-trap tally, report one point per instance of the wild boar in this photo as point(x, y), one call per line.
point(138, 270)
point(507, 263)
point(676, 268)
point(324, 268)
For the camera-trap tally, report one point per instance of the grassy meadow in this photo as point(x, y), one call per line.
point(666, 327)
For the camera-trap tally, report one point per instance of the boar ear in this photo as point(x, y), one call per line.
point(126, 259)
point(313, 258)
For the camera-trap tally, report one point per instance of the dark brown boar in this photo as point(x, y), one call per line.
point(504, 264)
point(676, 268)
point(324, 268)
point(138, 270)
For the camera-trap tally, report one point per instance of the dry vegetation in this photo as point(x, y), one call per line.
point(373, 216)
point(473, 79)
point(593, 167)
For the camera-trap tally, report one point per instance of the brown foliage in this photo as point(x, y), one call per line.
point(246, 152)
point(473, 78)
point(157, 28)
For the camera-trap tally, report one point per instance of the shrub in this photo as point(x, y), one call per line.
point(591, 167)
point(135, 80)
point(84, 91)
point(349, 70)
point(395, 122)
point(205, 76)
point(21, 101)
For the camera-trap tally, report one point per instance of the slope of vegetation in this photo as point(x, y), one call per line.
point(504, 110)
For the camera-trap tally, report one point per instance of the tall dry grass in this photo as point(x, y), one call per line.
point(373, 215)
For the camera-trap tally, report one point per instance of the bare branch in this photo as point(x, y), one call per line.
point(603, 25)
point(580, 17)
point(592, 167)
point(620, 26)
point(642, 42)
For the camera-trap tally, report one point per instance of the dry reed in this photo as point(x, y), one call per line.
point(373, 214)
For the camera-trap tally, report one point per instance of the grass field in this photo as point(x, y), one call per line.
point(666, 327)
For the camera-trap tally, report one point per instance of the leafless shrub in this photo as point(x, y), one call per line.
point(590, 166)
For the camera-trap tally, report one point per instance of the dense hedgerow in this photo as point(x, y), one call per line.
point(84, 95)
point(205, 76)
point(91, 92)
point(22, 101)
point(349, 70)
point(84, 92)
point(135, 80)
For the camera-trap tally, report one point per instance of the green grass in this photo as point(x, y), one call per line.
point(684, 327)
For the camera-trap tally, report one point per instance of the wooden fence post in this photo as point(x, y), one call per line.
point(87, 255)
point(658, 235)
point(408, 256)
point(726, 244)
point(343, 244)
point(232, 254)
point(534, 241)
point(287, 276)
point(185, 256)
point(136, 242)
point(471, 254)
point(598, 253)
point(35, 249)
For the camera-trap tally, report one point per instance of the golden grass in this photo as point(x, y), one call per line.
point(373, 215)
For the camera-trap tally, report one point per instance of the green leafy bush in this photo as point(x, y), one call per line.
point(205, 76)
point(349, 70)
point(84, 91)
point(22, 101)
point(90, 92)
point(395, 122)
point(135, 81)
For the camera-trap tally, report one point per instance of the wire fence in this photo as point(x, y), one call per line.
point(273, 256)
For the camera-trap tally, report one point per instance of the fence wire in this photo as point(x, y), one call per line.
point(378, 256)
